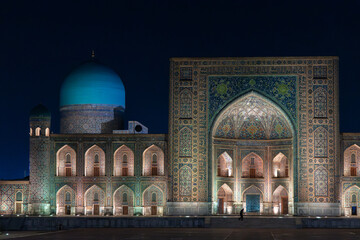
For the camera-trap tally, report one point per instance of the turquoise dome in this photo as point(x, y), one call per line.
point(92, 83)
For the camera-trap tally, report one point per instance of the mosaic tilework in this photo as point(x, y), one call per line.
point(250, 117)
point(148, 196)
point(8, 194)
point(185, 141)
point(288, 82)
point(321, 182)
point(185, 181)
point(186, 104)
point(123, 196)
point(90, 118)
point(123, 158)
point(65, 158)
point(94, 157)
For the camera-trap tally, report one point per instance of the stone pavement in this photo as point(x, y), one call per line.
point(199, 233)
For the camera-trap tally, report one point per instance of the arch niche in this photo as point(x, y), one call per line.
point(252, 130)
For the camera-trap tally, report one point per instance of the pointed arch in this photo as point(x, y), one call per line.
point(63, 166)
point(185, 104)
point(147, 196)
point(252, 166)
point(352, 161)
point(123, 161)
point(320, 142)
point(123, 197)
point(93, 168)
point(62, 201)
point(347, 197)
point(225, 165)
point(185, 142)
point(254, 116)
point(185, 180)
point(321, 182)
point(90, 200)
point(251, 190)
point(47, 132)
point(280, 165)
point(280, 200)
point(149, 167)
point(226, 192)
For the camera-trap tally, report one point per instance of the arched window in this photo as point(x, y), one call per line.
point(37, 131)
point(154, 158)
point(153, 197)
point(19, 196)
point(125, 158)
point(68, 158)
point(320, 142)
point(353, 198)
point(31, 132)
point(67, 197)
point(353, 158)
point(320, 100)
point(125, 197)
point(96, 197)
point(321, 182)
point(47, 132)
point(96, 158)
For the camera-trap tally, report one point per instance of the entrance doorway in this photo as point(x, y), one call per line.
point(253, 203)
point(67, 209)
point(284, 205)
point(18, 207)
point(221, 206)
point(96, 209)
point(125, 210)
point(153, 210)
point(354, 211)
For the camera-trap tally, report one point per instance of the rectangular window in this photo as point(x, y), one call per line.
point(252, 161)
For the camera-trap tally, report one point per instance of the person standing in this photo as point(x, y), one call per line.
point(241, 215)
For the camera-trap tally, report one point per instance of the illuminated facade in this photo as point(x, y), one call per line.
point(255, 133)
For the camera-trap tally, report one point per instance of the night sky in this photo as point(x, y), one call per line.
point(42, 41)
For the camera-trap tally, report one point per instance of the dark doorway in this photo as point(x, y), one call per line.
point(96, 209)
point(153, 210)
point(125, 210)
point(221, 206)
point(284, 205)
point(354, 211)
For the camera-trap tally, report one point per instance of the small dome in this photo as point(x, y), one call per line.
point(40, 111)
point(92, 83)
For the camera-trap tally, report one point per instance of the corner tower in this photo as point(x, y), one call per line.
point(92, 100)
point(40, 120)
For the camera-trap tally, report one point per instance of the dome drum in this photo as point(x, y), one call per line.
point(91, 118)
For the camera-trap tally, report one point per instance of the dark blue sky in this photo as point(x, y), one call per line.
point(41, 41)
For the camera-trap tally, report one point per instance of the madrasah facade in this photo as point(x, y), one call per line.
point(255, 133)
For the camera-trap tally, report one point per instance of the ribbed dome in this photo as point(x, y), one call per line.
point(92, 83)
point(40, 111)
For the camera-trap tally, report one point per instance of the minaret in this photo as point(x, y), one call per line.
point(40, 120)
